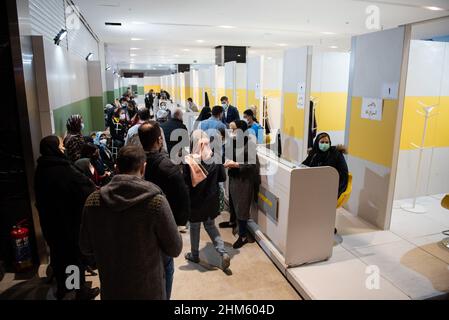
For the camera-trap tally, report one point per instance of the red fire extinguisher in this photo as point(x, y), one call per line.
point(22, 249)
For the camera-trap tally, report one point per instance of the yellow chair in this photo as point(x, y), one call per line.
point(344, 197)
point(445, 202)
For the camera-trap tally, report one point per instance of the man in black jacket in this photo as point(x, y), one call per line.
point(170, 126)
point(161, 171)
point(231, 113)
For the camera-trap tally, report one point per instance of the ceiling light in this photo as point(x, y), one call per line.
point(186, 50)
point(282, 44)
point(133, 55)
point(200, 41)
point(134, 48)
point(176, 55)
point(333, 47)
point(328, 33)
point(136, 39)
point(227, 27)
point(269, 58)
point(139, 22)
point(60, 36)
point(434, 8)
point(89, 56)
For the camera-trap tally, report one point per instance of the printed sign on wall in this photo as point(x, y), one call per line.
point(301, 95)
point(372, 109)
point(268, 203)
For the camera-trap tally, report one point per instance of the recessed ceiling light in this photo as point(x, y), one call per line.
point(227, 27)
point(282, 44)
point(134, 48)
point(333, 47)
point(133, 55)
point(269, 58)
point(434, 8)
point(200, 41)
point(176, 55)
point(136, 39)
point(186, 50)
point(328, 33)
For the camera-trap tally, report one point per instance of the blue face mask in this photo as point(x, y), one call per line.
point(324, 146)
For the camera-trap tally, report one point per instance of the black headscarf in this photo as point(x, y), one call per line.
point(319, 157)
point(49, 146)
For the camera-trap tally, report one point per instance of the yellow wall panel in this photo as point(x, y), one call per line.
point(156, 88)
point(413, 123)
point(252, 100)
point(293, 122)
point(272, 93)
point(241, 100)
point(230, 95)
point(373, 140)
point(331, 110)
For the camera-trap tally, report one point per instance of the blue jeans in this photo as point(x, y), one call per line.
point(169, 264)
point(213, 233)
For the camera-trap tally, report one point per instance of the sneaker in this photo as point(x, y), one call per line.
point(240, 242)
point(86, 294)
point(225, 261)
point(189, 256)
point(227, 225)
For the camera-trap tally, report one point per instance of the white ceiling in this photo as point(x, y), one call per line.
point(169, 30)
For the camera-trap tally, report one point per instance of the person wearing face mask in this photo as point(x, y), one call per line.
point(231, 113)
point(92, 165)
point(203, 178)
point(106, 156)
point(324, 154)
point(128, 227)
point(74, 140)
point(61, 191)
point(119, 128)
point(161, 171)
point(253, 126)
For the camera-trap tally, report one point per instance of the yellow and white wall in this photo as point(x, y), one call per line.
point(330, 81)
point(152, 83)
point(254, 73)
point(428, 83)
point(217, 84)
point(296, 75)
point(272, 89)
point(235, 84)
point(194, 87)
point(204, 82)
point(377, 60)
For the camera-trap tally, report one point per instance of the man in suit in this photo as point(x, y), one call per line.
point(231, 113)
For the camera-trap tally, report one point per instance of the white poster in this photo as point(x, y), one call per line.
point(372, 109)
point(301, 95)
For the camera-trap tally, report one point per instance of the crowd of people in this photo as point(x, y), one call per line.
point(117, 201)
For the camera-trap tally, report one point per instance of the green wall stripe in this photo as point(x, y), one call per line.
point(91, 109)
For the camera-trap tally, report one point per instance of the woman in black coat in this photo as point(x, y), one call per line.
point(203, 177)
point(324, 154)
point(61, 191)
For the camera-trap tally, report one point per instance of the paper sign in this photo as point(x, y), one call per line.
point(390, 90)
point(372, 109)
point(301, 95)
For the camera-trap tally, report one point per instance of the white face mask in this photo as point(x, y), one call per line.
point(104, 141)
point(122, 116)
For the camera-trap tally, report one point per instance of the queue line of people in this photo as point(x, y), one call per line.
point(125, 212)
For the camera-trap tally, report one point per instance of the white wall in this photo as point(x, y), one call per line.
point(272, 85)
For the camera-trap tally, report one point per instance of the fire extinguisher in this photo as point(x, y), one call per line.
point(21, 246)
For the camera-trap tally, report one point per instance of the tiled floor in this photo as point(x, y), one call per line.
point(412, 263)
point(254, 276)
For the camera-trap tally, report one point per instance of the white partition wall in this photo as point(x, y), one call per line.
point(254, 75)
point(217, 84)
point(272, 89)
point(428, 84)
point(172, 87)
point(230, 85)
point(330, 81)
point(204, 85)
point(186, 86)
point(235, 84)
point(378, 65)
point(295, 101)
point(194, 87)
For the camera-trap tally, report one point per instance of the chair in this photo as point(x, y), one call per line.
point(344, 197)
point(445, 204)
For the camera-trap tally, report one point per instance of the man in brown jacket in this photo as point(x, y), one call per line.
point(128, 226)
